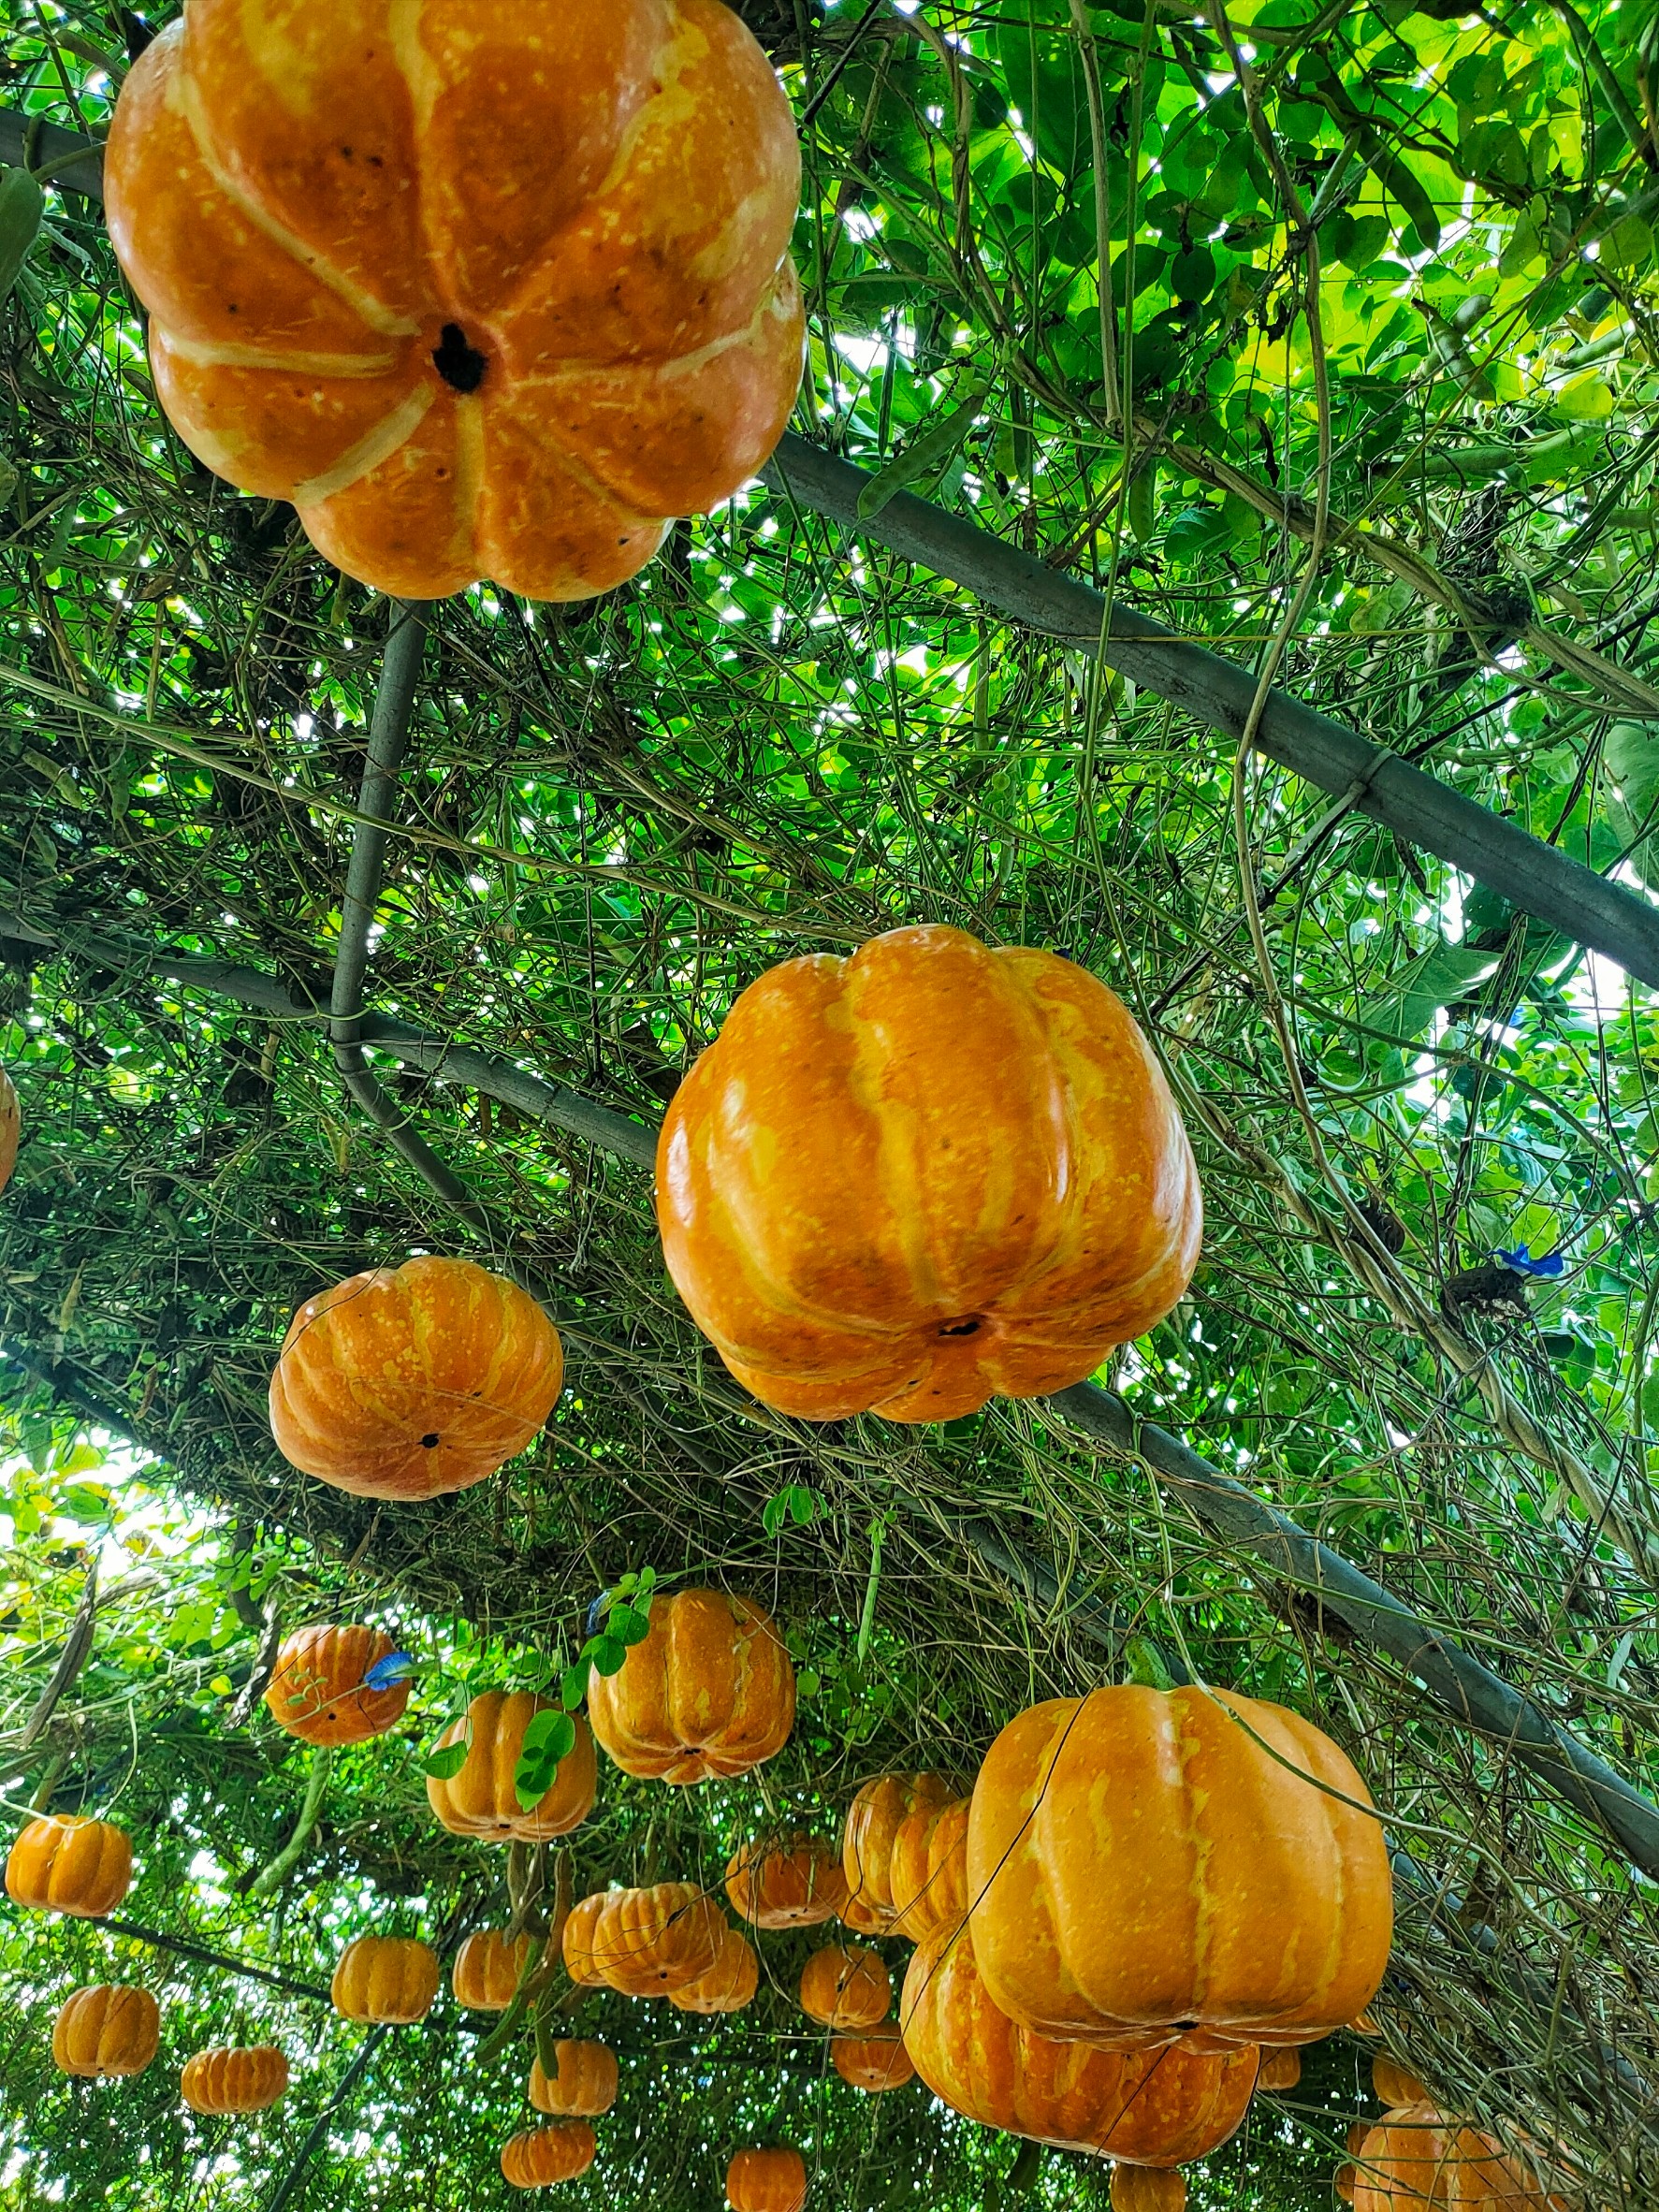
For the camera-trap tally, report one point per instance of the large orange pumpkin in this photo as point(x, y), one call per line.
point(223, 2081)
point(845, 1985)
point(489, 1968)
point(874, 2060)
point(874, 1819)
point(928, 1870)
point(390, 1979)
point(1140, 1865)
point(541, 2155)
point(584, 2081)
point(1393, 2085)
point(11, 1127)
point(644, 1943)
point(729, 1985)
point(1149, 2108)
point(481, 1799)
point(927, 1173)
point(110, 2030)
point(797, 1883)
point(409, 1381)
point(63, 1863)
point(766, 2180)
point(482, 294)
point(710, 1691)
point(318, 1688)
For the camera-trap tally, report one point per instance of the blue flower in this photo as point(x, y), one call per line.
point(596, 1612)
point(385, 1674)
point(1522, 1263)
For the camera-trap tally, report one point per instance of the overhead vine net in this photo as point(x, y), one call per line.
point(1425, 507)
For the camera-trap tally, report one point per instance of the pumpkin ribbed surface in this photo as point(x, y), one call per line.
point(766, 2180)
point(65, 1863)
point(874, 1818)
point(1280, 2070)
point(1393, 2085)
point(411, 1381)
point(875, 2061)
point(925, 1174)
point(710, 1691)
point(111, 2029)
point(1415, 2157)
point(584, 2081)
point(392, 1979)
point(317, 1688)
point(729, 1985)
point(1138, 1861)
point(481, 1800)
point(845, 1985)
point(487, 1967)
point(541, 2155)
point(797, 1883)
point(11, 1127)
point(644, 1943)
point(1347, 2181)
point(1153, 2108)
point(1146, 2189)
point(483, 293)
point(223, 2081)
point(928, 1870)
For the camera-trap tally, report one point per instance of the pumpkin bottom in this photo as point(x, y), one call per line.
point(941, 1372)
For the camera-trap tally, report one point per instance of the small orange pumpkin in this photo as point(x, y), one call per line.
point(644, 1943)
point(1162, 1811)
point(1405, 2162)
point(489, 1968)
point(873, 1822)
point(492, 294)
point(1146, 2189)
point(406, 1382)
point(766, 2180)
point(1280, 2070)
point(797, 1882)
point(846, 1986)
point(481, 1800)
point(1145, 2108)
point(928, 1870)
point(729, 1985)
point(11, 1125)
point(865, 1918)
point(63, 1863)
point(710, 1691)
point(929, 1173)
point(875, 2061)
point(1345, 2181)
point(1393, 2085)
point(584, 2081)
point(319, 1688)
point(390, 1979)
point(234, 2081)
point(112, 2029)
point(541, 2155)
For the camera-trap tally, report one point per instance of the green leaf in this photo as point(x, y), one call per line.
point(22, 205)
point(928, 450)
point(1396, 174)
point(550, 1737)
point(573, 1685)
point(1438, 977)
point(631, 1623)
point(447, 1762)
point(607, 1652)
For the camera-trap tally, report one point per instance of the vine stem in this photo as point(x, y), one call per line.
point(288, 1857)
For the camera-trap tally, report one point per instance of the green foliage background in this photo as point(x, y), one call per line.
point(781, 739)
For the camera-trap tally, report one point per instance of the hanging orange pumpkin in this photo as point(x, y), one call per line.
point(729, 1985)
point(644, 1943)
point(873, 1822)
point(929, 1173)
point(1393, 2085)
point(11, 1127)
point(1150, 2109)
point(484, 296)
point(845, 1985)
point(108, 2031)
point(388, 1979)
point(319, 1689)
point(1407, 2161)
point(234, 2081)
point(875, 2061)
point(406, 1382)
point(489, 1968)
point(865, 1917)
point(65, 1863)
point(481, 1799)
point(710, 1691)
point(797, 1882)
point(541, 2155)
point(928, 1870)
point(766, 2180)
point(1280, 2070)
point(1146, 2189)
point(584, 2081)
point(1107, 1832)
point(1347, 2181)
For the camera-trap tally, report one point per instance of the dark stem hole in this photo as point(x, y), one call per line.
point(430, 1443)
point(459, 365)
point(966, 1328)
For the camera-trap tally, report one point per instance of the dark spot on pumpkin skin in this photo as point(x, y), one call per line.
point(461, 366)
point(428, 1442)
point(969, 1326)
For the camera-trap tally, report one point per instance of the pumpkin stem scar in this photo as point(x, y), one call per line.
point(966, 1327)
point(430, 1443)
point(461, 366)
